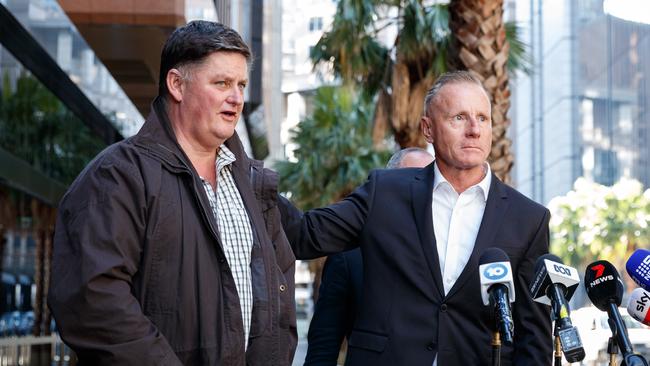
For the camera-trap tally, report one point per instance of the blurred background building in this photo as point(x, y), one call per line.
point(584, 110)
point(76, 76)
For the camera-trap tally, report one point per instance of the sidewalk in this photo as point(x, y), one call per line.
point(301, 350)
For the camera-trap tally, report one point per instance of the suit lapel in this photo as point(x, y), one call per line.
point(495, 208)
point(421, 196)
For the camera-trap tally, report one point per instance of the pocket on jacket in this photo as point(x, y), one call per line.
point(368, 341)
point(287, 306)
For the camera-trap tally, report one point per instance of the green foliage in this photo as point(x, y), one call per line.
point(334, 153)
point(597, 222)
point(354, 50)
point(518, 57)
point(357, 55)
point(36, 127)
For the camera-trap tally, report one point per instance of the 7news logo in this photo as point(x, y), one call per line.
point(599, 278)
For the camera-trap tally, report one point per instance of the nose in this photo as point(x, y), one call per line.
point(473, 127)
point(236, 96)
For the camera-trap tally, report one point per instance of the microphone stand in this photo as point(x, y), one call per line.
point(496, 349)
point(619, 335)
point(612, 350)
point(558, 346)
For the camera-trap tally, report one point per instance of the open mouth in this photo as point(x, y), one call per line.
point(229, 114)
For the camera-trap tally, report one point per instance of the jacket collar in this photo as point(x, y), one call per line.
point(421, 199)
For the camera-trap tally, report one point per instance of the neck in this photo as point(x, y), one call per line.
point(462, 179)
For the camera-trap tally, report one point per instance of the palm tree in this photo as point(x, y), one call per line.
point(335, 151)
point(334, 155)
point(400, 76)
point(480, 45)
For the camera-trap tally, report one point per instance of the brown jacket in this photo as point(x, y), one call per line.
point(139, 275)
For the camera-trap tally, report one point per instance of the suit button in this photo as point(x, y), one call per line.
point(431, 346)
point(282, 288)
point(222, 260)
point(443, 308)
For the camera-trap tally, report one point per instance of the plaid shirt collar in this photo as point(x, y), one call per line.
point(225, 157)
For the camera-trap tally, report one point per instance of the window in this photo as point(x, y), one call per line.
point(315, 24)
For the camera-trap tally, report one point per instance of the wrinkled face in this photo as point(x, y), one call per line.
point(459, 125)
point(212, 98)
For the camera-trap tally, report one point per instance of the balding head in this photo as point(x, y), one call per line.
point(411, 157)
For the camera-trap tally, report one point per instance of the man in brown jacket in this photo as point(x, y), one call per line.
point(168, 247)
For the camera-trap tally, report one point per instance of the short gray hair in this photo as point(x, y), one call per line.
point(453, 77)
point(395, 161)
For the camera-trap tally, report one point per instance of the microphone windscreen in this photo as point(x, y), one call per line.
point(492, 255)
point(639, 305)
point(540, 261)
point(638, 267)
point(603, 284)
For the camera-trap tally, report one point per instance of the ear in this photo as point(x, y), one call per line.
point(426, 126)
point(175, 84)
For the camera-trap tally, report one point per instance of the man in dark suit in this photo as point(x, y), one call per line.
point(422, 231)
point(339, 295)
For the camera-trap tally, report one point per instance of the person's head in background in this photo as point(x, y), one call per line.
point(410, 157)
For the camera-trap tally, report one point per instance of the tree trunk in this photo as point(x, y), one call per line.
point(480, 46)
point(407, 100)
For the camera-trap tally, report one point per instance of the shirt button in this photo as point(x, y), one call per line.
point(449, 281)
point(283, 287)
point(443, 308)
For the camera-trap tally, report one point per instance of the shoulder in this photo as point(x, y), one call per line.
point(520, 201)
point(112, 171)
point(395, 176)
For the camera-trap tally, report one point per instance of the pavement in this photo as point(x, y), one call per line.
point(301, 351)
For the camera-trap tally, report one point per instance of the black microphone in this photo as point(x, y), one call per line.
point(554, 284)
point(605, 290)
point(498, 290)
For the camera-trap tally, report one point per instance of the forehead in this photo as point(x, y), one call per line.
point(462, 95)
point(230, 64)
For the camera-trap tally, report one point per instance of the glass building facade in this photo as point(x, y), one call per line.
point(583, 111)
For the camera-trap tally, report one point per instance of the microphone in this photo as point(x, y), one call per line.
point(638, 267)
point(498, 289)
point(638, 306)
point(554, 284)
point(605, 290)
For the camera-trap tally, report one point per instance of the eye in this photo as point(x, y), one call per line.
point(482, 118)
point(222, 83)
point(242, 86)
point(458, 117)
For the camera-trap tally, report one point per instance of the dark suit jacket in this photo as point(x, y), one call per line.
point(339, 298)
point(405, 317)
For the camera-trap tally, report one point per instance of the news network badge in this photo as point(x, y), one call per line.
point(643, 270)
point(495, 271)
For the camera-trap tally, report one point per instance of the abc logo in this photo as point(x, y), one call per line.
point(562, 270)
point(495, 271)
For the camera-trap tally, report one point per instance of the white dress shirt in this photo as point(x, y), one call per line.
point(456, 220)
